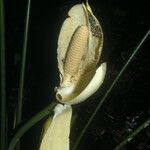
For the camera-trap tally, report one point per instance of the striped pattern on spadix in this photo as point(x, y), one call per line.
point(76, 50)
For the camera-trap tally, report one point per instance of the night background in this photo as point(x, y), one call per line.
point(124, 24)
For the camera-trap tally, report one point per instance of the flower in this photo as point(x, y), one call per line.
point(79, 48)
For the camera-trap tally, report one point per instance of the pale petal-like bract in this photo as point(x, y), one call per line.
point(57, 134)
point(79, 48)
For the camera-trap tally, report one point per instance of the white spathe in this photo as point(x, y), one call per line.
point(72, 87)
point(92, 87)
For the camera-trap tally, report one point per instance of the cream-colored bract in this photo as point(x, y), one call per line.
point(92, 87)
point(57, 134)
point(78, 86)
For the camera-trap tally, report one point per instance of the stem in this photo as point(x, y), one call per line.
point(22, 73)
point(133, 134)
point(110, 88)
point(46, 111)
point(3, 124)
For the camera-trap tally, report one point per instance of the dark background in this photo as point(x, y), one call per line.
point(124, 24)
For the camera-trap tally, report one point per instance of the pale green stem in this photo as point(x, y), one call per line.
point(29, 124)
point(22, 73)
point(18, 114)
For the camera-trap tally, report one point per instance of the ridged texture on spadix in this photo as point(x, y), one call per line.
point(78, 65)
point(76, 50)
